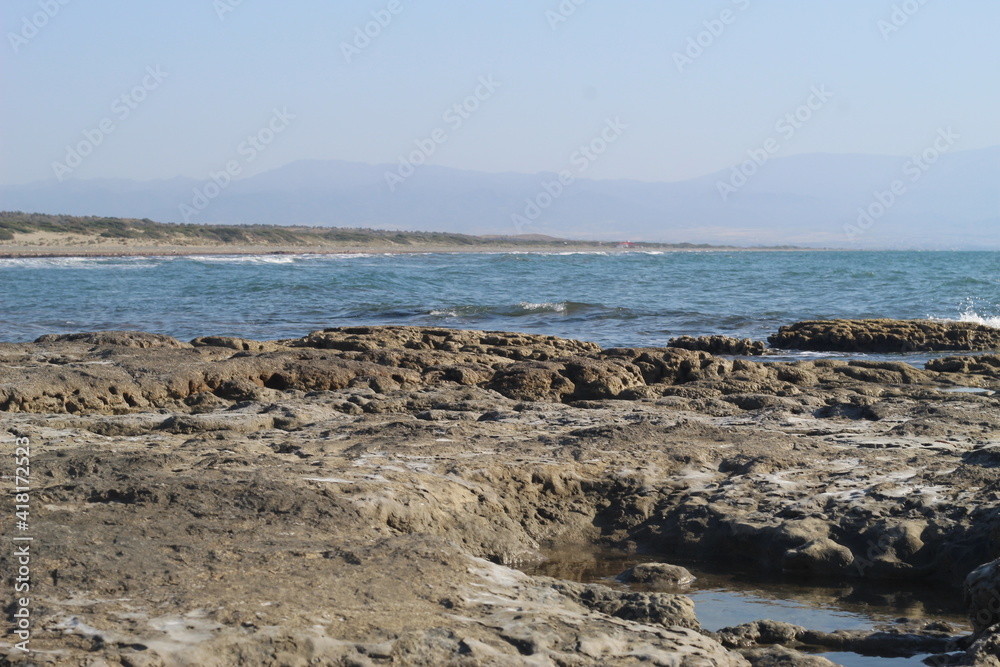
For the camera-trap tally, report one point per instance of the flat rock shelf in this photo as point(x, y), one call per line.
point(389, 495)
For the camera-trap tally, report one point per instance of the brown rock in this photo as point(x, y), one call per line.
point(657, 576)
point(719, 345)
point(139, 339)
point(532, 381)
point(885, 336)
point(982, 595)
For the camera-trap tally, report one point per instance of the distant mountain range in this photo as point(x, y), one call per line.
point(807, 200)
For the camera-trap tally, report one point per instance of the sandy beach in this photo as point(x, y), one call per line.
point(54, 244)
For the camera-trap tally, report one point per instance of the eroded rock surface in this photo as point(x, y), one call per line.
point(657, 576)
point(358, 496)
point(885, 336)
point(720, 345)
point(982, 594)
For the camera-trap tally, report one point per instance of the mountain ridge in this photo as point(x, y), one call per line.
point(808, 199)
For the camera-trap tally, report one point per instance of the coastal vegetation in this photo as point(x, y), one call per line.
point(135, 231)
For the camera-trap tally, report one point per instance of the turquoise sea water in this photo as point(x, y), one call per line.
point(619, 298)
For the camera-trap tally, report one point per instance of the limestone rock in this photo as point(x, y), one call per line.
point(779, 656)
point(885, 336)
point(821, 556)
point(982, 595)
point(720, 345)
point(657, 576)
point(138, 339)
point(653, 608)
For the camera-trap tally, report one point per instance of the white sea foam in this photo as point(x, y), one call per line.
point(273, 259)
point(242, 259)
point(547, 305)
point(548, 253)
point(78, 262)
point(972, 316)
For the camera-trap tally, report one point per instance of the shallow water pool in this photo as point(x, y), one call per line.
point(724, 599)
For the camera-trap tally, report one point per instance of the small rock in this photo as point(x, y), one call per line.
point(779, 656)
point(656, 576)
point(719, 345)
point(982, 595)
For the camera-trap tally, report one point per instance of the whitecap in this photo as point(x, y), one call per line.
point(80, 262)
point(546, 306)
point(242, 259)
point(972, 316)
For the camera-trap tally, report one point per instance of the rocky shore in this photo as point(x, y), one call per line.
point(366, 495)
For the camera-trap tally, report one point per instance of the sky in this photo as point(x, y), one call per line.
point(151, 90)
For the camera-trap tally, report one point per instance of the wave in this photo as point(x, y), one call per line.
point(95, 262)
point(522, 309)
point(290, 258)
point(241, 259)
point(972, 316)
point(549, 253)
point(547, 306)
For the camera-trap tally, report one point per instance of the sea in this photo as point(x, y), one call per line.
point(615, 298)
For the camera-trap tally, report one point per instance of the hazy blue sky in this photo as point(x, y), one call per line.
point(224, 67)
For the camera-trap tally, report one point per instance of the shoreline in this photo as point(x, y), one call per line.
point(12, 252)
point(21, 252)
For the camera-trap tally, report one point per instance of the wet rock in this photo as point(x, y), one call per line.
point(748, 635)
point(719, 345)
point(982, 595)
point(508, 345)
point(885, 336)
point(821, 556)
point(903, 639)
point(779, 656)
point(656, 576)
point(654, 608)
point(984, 652)
point(898, 641)
point(136, 339)
point(232, 343)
